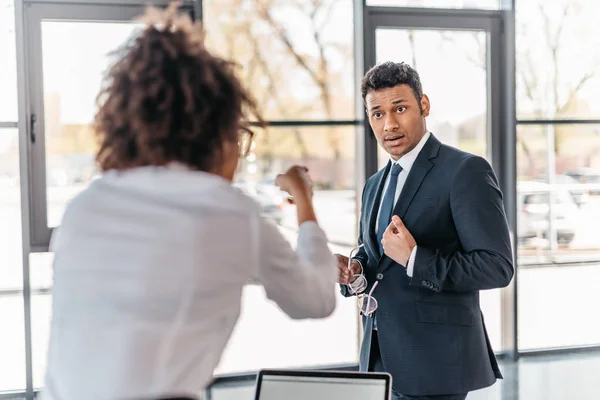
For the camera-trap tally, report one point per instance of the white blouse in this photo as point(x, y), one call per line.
point(148, 274)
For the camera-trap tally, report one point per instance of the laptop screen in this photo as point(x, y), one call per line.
point(322, 386)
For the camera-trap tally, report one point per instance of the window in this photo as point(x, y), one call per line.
point(335, 204)
point(458, 118)
point(295, 57)
point(41, 280)
point(66, 105)
point(558, 169)
point(12, 345)
point(10, 211)
point(284, 343)
point(65, 77)
point(69, 103)
point(328, 152)
point(558, 59)
point(554, 304)
point(65, 74)
point(8, 67)
point(558, 195)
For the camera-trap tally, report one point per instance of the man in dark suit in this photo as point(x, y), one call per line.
point(448, 240)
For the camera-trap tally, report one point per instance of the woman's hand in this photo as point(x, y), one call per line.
point(296, 182)
point(299, 185)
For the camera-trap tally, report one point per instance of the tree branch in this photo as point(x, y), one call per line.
point(265, 13)
point(271, 87)
point(573, 93)
point(553, 41)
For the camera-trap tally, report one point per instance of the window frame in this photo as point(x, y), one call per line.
point(550, 126)
point(40, 232)
point(357, 121)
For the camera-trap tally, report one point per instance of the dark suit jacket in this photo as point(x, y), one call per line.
point(431, 332)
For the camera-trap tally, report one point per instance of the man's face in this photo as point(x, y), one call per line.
point(396, 118)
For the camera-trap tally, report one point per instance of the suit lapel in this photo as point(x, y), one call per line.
point(373, 207)
point(416, 176)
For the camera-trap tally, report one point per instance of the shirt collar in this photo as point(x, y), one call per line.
point(407, 160)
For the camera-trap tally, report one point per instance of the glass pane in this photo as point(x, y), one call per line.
point(41, 314)
point(72, 71)
point(329, 154)
point(295, 57)
point(41, 278)
point(283, 342)
point(8, 66)
point(573, 200)
point(11, 266)
point(555, 304)
point(485, 4)
point(558, 59)
point(245, 351)
point(554, 230)
point(12, 345)
point(40, 266)
point(458, 91)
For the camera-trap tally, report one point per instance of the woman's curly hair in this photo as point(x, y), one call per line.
point(167, 99)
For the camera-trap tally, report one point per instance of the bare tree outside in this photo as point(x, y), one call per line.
point(295, 67)
point(548, 88)
point(561, 95)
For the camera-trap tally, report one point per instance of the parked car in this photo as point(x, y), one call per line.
point(533, 214)
point(587, 175)
point(580, 196)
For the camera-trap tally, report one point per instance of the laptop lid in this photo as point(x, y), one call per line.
point(322, 385)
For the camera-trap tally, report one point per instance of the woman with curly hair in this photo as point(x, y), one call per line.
point(150, 260)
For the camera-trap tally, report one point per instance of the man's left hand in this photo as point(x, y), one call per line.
point(397, 242)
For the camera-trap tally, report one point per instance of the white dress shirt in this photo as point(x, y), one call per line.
point(406, 162)
point(148, 274)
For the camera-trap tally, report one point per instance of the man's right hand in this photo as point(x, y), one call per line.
point(347, 276)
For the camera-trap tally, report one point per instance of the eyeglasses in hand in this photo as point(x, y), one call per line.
point(358, 286)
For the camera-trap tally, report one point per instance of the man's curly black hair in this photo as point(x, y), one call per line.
point(390, 74)
point(167, 99)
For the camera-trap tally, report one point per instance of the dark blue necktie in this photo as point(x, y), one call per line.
point(387, 205)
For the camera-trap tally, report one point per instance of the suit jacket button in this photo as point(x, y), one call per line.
point(379, 276)
point(424, 283)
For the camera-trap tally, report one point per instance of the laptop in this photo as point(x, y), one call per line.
point(322, 385)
